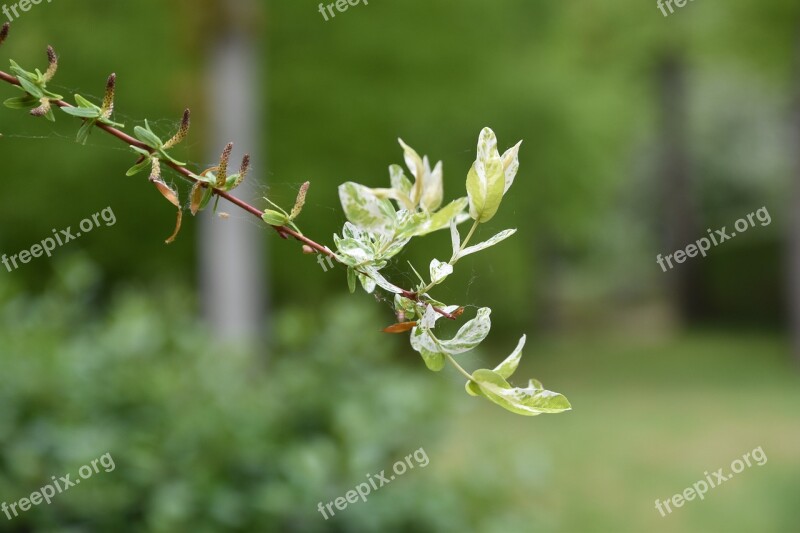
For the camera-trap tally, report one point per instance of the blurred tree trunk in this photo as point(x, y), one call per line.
point(674, 174)
point(233, 270)
point(794, 214)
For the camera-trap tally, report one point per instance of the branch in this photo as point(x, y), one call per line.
point(284, 231)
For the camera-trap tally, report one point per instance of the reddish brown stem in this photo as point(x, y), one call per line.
point(283, 231)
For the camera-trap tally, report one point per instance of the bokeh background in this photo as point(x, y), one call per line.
point(236, 384)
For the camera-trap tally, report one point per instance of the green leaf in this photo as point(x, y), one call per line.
point(21, 102)
point(208, 193)
point(507, 367)
point(83, 102)
point(433, 360)
point(505, 370)
point(141, 151)
point(163, 154)
point(49, 115)
point(406, 305)
point(84, 131)
point(486, 179)
point(139, 167)
point(146, 136)
point(503, 235)
point(441, 219)
point(81, 112)
point(30, 88)
point(274, 218)
point(528, 401)
point(364, 209)
point(439, 271)
point(351, 279)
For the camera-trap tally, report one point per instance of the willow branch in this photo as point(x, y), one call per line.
point(284, 231)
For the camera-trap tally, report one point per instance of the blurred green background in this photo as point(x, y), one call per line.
point(641, 131)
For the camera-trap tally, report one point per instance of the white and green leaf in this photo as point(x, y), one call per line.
point(503, 235)
point(511, 165)
point(365, 209)
point(528, 401)
point(439, 271)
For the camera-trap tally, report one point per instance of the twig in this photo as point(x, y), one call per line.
point(283, 231)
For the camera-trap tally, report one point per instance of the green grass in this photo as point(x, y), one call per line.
point(648, 421)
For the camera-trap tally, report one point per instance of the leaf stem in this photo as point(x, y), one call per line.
point(458, 367)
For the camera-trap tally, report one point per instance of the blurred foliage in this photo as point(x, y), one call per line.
point(575, 81)
point(208, 438)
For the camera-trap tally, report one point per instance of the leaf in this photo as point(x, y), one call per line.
point(441, 219)
point(510, 165)
point(470, 335)
point(433, 360)
point(400, 327)
point(196, 197)
point(528, 401)
point(83, 102)
point(30, 88)
point(21, 102)
point(167, 192)
point(174, 235)
point(141, 151)
point(439, 271)
point(367, 283)
point(486, 179)
point(417, 168)
point(84, 131)
point(353, 252)
point(364, 209)
point(503, 235)
point(507, 367)
point(401, 185)
point(455, 238)
point(147, 137)
point(138, 167)
point(351, 279)
point(429, 318)
point(81, 112)
point(382, 282)
point(433, 189)
point(421, 340)
point(505, 370)
point(274, 218)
